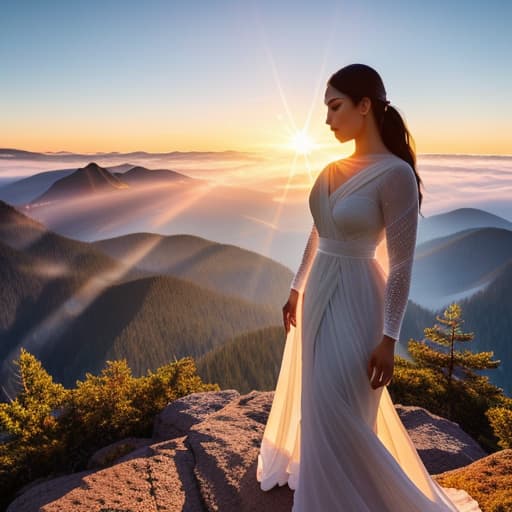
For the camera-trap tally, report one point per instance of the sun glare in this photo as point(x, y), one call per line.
point(302, 143)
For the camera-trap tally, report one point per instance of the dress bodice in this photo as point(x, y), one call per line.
point(358, 216)
point(379, 201)
point(352, 210)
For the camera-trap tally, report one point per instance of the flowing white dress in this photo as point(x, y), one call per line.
point(337, 442)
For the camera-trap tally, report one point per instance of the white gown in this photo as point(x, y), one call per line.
point(335, 440)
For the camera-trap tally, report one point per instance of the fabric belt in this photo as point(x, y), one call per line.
point(346, 248)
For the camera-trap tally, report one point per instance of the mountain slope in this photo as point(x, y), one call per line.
point(224, 268)
point(21, 232)
point(87, 180)
point(488, 314)
point(24, 190)
point(246, 362)
point(456, 266)
point(74, 306)
point(17, 229)
point(140, 174)
point(456, 220)
point(149, 322)
point(21, 283)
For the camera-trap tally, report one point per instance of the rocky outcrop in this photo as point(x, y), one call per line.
point(179, 416)
point(203, 457)
point(441, 443)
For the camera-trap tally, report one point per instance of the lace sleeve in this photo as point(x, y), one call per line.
point(307, 259)
point(399, 203)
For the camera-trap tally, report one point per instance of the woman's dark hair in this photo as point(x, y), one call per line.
point(358, 81)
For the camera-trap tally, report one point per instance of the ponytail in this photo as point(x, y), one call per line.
point(396, 137)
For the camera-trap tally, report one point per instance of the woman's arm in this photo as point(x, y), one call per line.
point(307, 259)
point(399, 203)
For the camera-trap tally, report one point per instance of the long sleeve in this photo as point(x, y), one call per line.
point(307, 259)
point(399, 204)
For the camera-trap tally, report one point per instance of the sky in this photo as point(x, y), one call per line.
point(246, 75)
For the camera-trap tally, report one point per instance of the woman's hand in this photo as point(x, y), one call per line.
point(383, 360)
point(290, 310)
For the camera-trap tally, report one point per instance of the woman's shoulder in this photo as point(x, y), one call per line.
point(398, 185)
point(323, 172)
point(399, 169)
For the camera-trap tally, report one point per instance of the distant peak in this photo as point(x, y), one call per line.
point(91, 165)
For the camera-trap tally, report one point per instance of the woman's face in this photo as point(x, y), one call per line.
point(345, 119)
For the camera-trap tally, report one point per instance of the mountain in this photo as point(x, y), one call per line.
point(249, 275)
point(203, 208)
point(140, 174)
point(249, 361)
point(43, 186)
point(487, 313)
point(21, 283)
point(45, 279)
point(20, 232)
point(12, 154)
point(456, 266)
point(24, 190)
point(75, 306)
point(456, 220)
point(149, 322)
point(87, 180)
point(16, 229)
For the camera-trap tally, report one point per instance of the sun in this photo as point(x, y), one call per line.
point(302, 143)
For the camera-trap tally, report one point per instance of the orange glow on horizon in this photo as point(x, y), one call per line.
point(260, 137)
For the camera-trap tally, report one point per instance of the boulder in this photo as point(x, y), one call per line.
point(226, 446)
point(181, 414)
point(159, 478)
point(203, 457)
point(442, 445)
point(107, 455)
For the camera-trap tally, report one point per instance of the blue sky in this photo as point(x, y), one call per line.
point(213, 75)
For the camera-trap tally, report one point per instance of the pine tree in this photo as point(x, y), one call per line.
point(451, 362)
point(31, 415)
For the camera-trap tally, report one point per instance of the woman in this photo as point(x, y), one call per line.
point(333, 433)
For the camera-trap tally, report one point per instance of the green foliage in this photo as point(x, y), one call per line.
point(415, 385)
point(486, 480)
point(447, 337)
point(55, 430)
point(501, 422)
point(31, 421)
point(445, 381)
point(29, 417)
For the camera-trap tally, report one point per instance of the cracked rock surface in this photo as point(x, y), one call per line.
point(202, 457)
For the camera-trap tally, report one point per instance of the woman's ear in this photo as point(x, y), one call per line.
point(364, 105)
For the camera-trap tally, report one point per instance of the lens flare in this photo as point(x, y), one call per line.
point(302, 143)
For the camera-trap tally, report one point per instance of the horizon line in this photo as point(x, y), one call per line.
point(119, 153)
